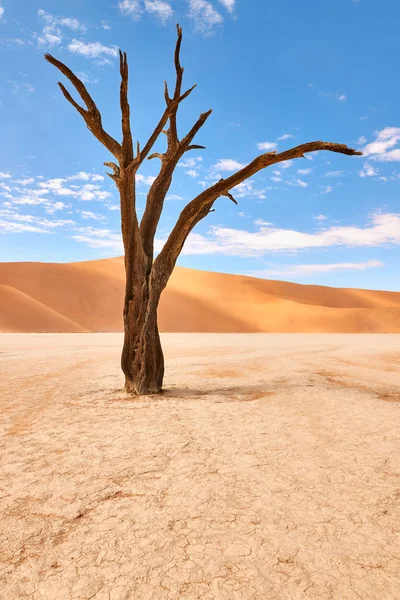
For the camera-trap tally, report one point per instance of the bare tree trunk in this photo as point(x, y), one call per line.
point(142, 359)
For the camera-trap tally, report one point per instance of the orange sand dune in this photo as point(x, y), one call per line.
point(87, 296)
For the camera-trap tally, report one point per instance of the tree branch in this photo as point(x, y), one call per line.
point(169, 160)
point(127, 144)
point(200, 207)
point(92, 115)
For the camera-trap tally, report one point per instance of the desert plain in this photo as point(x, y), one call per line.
point(267, 470)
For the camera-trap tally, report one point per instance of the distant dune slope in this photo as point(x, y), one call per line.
point(88, 296)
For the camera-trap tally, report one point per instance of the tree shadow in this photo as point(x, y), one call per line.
point(229, 394)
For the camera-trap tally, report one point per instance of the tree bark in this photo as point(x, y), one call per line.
point(142, 359)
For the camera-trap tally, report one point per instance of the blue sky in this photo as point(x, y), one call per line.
point(275, 75)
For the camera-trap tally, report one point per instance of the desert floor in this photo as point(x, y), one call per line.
point(269, 469)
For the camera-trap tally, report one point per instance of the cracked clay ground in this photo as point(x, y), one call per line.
point(268, 470)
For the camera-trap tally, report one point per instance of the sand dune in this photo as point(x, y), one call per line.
point(87, 296)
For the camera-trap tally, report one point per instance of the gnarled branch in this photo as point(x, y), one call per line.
point(200, 207)
point(92, 114)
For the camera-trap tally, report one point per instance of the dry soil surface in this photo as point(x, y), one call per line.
point(269, 469)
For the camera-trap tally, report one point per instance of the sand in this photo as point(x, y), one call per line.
point(88, 296)
point(269, 469)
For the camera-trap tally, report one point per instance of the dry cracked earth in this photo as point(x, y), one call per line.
point(268, 470)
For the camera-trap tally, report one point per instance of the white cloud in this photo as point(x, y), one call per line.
point(174, 197)
point(368, 171)
point(99, 238)
point(85, 192)
point(304, 171)
point(228, 4)
point(285, 136)
point(334, 174)
point(276, 179)
point(307, 270)
point(84, 176)
point(228, 164)
point(52, 34)
point(262, 222)
point(105, 25)
point(287, 164)
point(91, 49)
point(320, 217)
point(4, 175)
point(327, 190)
point(383, 229)
point(52, 207)
point(191, 163)
point(21, 87)
point(1, 12)
point(86, 214)
point(268, 146)
point(25, 181)
point(382, 149)
point(204, 15)
point(159, 8)
point(192, 173)
point(342, 98)
point(246, 190)
point(145, 179)
point(13, 222)
point(298, 183)
point(361, 140)
point(132, 8)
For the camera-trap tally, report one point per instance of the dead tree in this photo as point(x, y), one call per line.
point(142, 358)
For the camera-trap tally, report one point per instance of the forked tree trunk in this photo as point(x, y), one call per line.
point(142, 359)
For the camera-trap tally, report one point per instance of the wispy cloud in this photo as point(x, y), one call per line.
point(247, 190)
point(174, 197)
point(368, 171)
point(267, 146)
point(334, 174)
point(382, 229)
point(86, 214)
point(204, 15)
point(52, 31)
point(19, 87)
point(310, 269)
point(285, 136)
point(145, 179)
point(92, 49)
point(228, 4)
point(99, 238)
point(159, 8)
point(192, 162)
point(383, 148)
point(1, 12)
point(228, 164)
point(13, 222)
point(133, 8)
